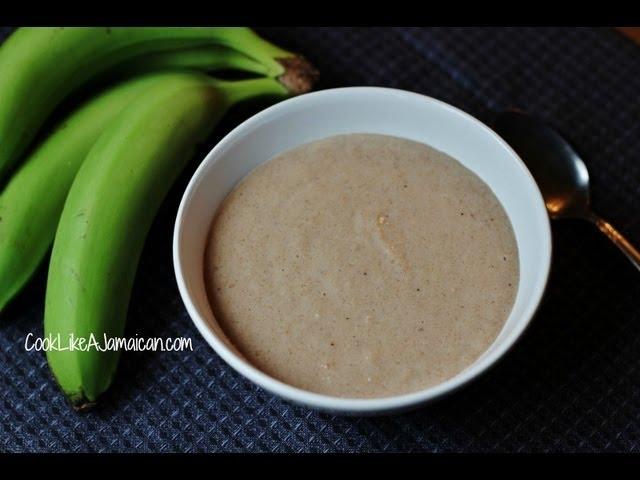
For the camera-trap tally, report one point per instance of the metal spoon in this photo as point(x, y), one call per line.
point(559, 172)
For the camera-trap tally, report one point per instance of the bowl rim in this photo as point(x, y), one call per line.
point(356, 405)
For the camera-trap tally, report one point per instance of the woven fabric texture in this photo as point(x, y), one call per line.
point(571, 384)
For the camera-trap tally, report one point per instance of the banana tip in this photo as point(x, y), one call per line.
point(80, 403)
point(299, 74)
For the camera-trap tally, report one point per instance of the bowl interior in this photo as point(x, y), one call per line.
point(367, 110)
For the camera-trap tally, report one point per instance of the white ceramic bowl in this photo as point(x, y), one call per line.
point(367, 110)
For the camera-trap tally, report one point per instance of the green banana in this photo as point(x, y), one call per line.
point(108, 213)
point(39, 67)
point(31, 203)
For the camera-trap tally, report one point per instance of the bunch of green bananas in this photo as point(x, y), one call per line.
point(96, 181)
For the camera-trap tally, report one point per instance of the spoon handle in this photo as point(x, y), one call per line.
point(616, 237)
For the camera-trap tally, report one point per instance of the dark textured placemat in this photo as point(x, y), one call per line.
point(571, 384)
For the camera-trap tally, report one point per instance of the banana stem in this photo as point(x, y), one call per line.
point(295, 72)
point(239, 90)
point(259, 49)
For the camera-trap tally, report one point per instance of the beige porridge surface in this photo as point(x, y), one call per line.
point(361, 266)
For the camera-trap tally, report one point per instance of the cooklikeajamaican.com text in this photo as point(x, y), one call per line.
point(105, 343)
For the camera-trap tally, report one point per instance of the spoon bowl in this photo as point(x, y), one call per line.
point(559, 171)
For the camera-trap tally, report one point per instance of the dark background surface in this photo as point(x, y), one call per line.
point(571, 384)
